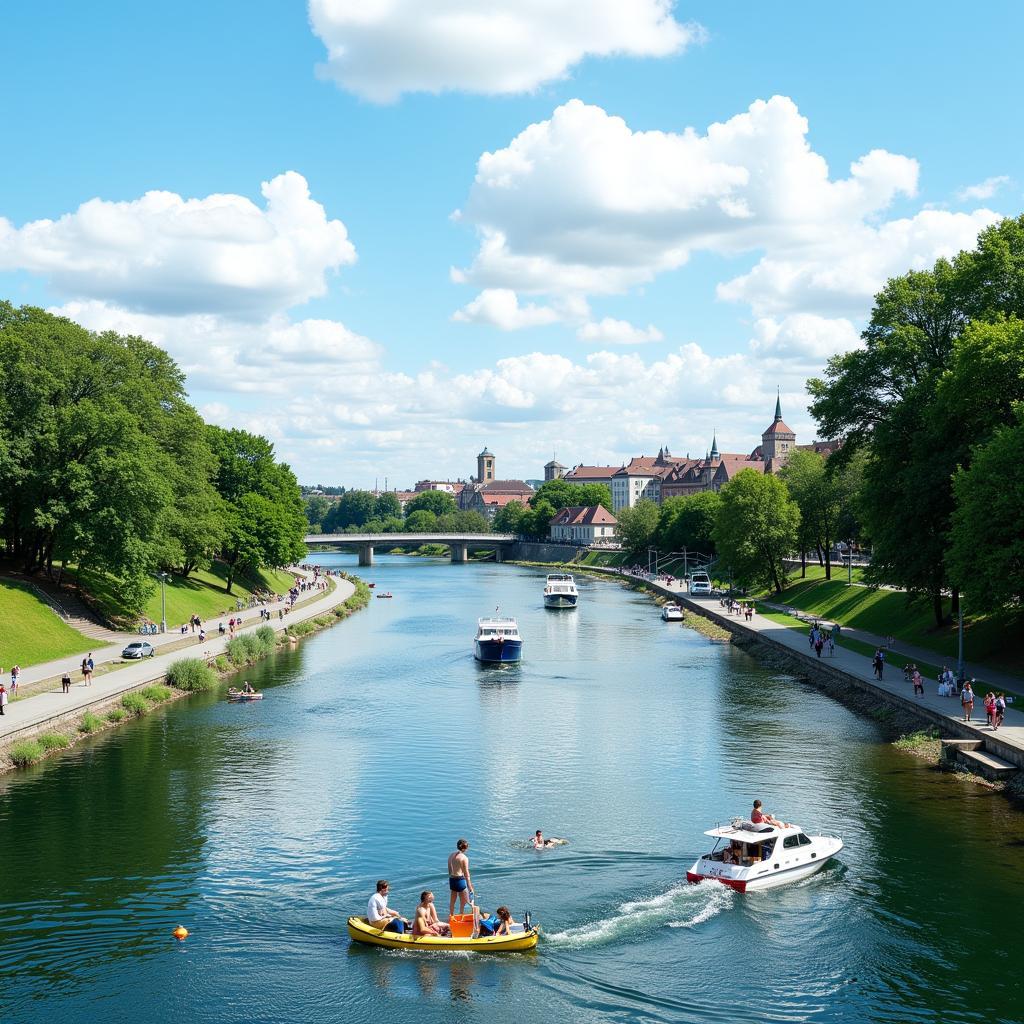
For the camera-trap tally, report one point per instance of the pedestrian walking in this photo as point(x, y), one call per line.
point(87, 671)
point(15, 673)
point(3, 699)
point(879, 663)
point(918, 682)
point(967, 701)
point(818, 645)
point(990, 709)
point(65, 682)
point(1000, 710)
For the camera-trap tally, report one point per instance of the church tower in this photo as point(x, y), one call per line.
point(485, 467)
point(777, 441)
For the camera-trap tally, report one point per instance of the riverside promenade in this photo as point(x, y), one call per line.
point(1003, 748)
point(31, 712)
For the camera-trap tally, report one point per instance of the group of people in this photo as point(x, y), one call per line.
point(821, 639)
point(425, 920)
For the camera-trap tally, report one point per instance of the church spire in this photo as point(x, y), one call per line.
point(778, 405)
point(714, 445)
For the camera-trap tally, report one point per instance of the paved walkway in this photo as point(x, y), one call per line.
point(28, 713)
point(989, 679)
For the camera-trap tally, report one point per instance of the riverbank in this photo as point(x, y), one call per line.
point(102, 707)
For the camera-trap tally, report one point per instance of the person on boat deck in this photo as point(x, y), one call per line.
point(248, 687)
point(380, 915)
point(426, 921)
point(459, 881)
point(759, 817)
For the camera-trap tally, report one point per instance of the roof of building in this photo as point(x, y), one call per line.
point(778, 427)
point(730, 465)
point(584, 515)
point(591, 473)
point(553, 464)
point(506, 487)
point(485, 452)
point(825, 448)
point(649, 465)
point(501, 500)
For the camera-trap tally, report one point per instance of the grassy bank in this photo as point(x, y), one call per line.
point(184, 676)
point(31, 631)
point(997, 641)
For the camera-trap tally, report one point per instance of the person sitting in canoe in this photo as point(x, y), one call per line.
point(380, 915)
point(426, 921)
point(247, 687)
point(500, 924)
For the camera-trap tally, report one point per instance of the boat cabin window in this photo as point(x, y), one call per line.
point(791, 842)
point(804, 841)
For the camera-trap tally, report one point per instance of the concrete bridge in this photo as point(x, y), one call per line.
point(459, 544)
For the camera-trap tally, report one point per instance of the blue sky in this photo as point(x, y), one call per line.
point(604, 324)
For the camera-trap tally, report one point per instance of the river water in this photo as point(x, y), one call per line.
point(380, 741)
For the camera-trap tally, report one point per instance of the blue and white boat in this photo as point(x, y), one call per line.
point(560, 591)
point(497, 640)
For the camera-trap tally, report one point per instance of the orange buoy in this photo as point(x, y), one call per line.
point(180, 933)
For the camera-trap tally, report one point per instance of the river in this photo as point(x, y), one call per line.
point(381, 741)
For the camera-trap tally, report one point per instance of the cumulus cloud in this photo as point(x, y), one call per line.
point(803, 336)
point(984, 189)
point(583, 204)
point(380, 49)
point(161, 253)
point(618, 332)
point(499, 307)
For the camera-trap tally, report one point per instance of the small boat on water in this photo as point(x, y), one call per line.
point(522, 939)
point(560, 591)
point(672, 612)
point(497, 640)
point(240, 696)
point(388, 594)
point(371, 585)
point(747, 857)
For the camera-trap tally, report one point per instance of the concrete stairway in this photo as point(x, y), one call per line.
point(970, 755)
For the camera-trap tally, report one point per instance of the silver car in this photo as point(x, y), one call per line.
point(139, 649)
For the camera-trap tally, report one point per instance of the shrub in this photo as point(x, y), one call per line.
point(90, 722)
point(191, 675)
point(267, 636)
point(221, 664)
point(156, 693)
point(53, 741)
point(26, 752)
point(235, 651)
point(117, 715)
point(135, 704)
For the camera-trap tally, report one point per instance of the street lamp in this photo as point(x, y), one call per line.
point(163, 577)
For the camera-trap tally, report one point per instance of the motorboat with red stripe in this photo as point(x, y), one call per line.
point(748, 856)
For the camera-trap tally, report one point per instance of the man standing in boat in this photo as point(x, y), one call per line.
point(459, 881)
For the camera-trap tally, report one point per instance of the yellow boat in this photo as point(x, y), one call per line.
point(518, 942)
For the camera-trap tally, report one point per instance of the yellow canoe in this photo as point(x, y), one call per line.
point(517, 942)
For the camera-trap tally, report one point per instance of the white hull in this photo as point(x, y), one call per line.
point(559, 600)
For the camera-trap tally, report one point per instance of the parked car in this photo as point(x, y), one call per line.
point(139, 649)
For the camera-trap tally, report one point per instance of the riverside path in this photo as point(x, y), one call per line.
point(33, 711)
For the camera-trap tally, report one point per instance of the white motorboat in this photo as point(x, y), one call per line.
point(498, 639)
point(672, 612)
point(560, 591)
point(747, 857)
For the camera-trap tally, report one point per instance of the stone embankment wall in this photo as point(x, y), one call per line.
point(537, 551)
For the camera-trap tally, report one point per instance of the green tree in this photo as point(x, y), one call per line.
point(756, 528)
point(561, 494)
point(317, 507)
point(438, 502)
point(986, 557)
point(387, 506)
point(421, 520)
point(353, 508)
point(509, 518)
point(688, 522)
point(537, 522)
point(638, 526)
point(818, 494)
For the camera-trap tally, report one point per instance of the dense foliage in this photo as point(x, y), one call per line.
point(105, 466)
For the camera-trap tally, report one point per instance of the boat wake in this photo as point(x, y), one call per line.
point(682, 906)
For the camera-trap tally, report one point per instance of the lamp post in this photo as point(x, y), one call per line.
point(163, 577)
point(960, 642)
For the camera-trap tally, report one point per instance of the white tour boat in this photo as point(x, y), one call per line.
point(497, 639)
point(671, 612)
point(560, 591)
point(747, 857)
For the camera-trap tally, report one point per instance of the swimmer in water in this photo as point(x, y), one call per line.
point(540, 843)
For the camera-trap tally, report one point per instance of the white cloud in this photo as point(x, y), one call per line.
point(609, 331)
point(380, 49)
point(582, 204)
point(499, 307)
point(161, 253)
point(984, 189)
point(803, 336)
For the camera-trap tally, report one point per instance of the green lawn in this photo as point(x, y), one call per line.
point(993, 640)
point(202, 593)
point(31, 631)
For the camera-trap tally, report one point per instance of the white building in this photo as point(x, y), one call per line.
point(584, 524)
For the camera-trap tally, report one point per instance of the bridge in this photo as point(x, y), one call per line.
point(459, 544)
